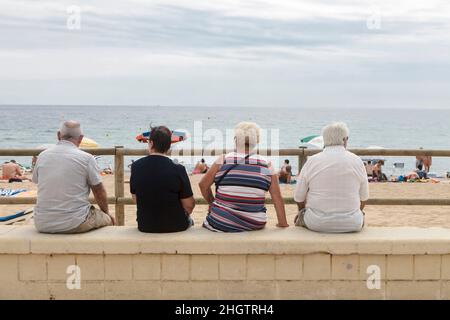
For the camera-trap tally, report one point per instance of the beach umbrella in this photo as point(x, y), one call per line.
point(314, 141)
point(88, 143)
point(177, 136)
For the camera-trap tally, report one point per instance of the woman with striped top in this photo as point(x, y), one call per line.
point(242, 179)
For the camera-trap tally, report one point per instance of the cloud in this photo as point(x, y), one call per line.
point(272, 45)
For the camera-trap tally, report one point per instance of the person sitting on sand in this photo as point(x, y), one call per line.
point(285, 174)
point(417, 174)
point(332, 187)
point(13, 172)
point(369, 168)
point(377, 171)
point(242, 179)
point(161, 188)
point(201, 167)
point(65, 175)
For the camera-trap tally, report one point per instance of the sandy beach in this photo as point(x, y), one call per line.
point(377, 216)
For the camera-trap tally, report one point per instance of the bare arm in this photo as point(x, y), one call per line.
point(278, 202)
point(363, 204)
point(188, 204)
point(208, 180)
point(102, 199)
point(301, 205)
point(19, 171)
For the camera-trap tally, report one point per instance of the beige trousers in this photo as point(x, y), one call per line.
point(94, 220)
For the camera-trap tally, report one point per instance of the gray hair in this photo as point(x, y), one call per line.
point(70, 130)
point(247, 134)
point(334, 134)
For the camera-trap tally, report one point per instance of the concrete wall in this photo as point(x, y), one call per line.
point(121, 263)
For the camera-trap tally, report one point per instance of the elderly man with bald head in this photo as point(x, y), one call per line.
point(65, 175)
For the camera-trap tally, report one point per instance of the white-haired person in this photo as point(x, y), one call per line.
point(65, 175)
point(242, 179)
point(332, 187)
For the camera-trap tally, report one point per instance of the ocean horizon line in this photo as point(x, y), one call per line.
point(219, 106)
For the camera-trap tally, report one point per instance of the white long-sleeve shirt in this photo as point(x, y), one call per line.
point(333, 183)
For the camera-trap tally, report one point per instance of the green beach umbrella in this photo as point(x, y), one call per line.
point(315, 141)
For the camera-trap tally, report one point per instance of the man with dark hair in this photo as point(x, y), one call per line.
point(161, 188)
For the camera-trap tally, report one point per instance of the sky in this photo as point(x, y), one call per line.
point(253, 53)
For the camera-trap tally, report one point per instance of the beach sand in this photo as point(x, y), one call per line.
point(376, 216)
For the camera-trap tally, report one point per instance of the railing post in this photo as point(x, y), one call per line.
point(119, 181)
point(302, 159)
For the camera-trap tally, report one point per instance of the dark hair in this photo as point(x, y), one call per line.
point(286, 161)
point(202, 161)
point(161, 137)
point(420, 167)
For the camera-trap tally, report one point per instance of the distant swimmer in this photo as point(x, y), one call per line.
point(11, 171)
point(200, 167)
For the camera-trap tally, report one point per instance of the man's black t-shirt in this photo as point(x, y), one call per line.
point(159, 184)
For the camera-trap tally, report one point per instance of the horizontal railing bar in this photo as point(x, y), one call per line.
point(32, 200)
point(288, 200)
point(268, 152)
point(35, 152)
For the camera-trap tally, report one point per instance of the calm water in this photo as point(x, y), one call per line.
point(31, 126)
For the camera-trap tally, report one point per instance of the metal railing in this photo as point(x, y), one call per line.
point(120, 201)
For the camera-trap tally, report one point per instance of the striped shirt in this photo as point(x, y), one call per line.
point(239, 201)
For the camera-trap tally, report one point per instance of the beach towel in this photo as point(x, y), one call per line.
point(16, 217)
point(10, 192)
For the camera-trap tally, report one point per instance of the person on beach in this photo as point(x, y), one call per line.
point(285, 174)
point(425, 161)
point(161, 188)
point(332, 187)
point(369, 168)
point(377, 172)
point(242, 179)
point(417, 174)
point(200, 167)
point(12, 172)
point(65, 175)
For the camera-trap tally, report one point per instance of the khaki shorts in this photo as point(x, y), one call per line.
point(94, 220)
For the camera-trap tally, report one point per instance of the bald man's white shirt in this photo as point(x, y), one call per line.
point(64, 175)
point(333, 183)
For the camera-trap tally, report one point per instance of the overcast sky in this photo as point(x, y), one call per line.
point(267, 53)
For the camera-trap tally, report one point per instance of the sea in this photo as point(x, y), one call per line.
point(29, 126)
